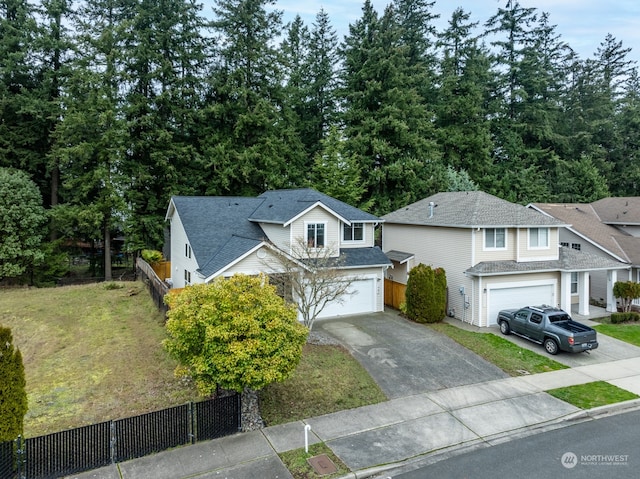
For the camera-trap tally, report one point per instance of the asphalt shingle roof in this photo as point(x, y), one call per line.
point(358, 257)
point(222, 229)
point(569, 260)
point(619, 211)
point(280, 206)
point(586, 220)
point(469, 209)
point(218, 229)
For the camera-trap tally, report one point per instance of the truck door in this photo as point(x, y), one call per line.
point(534, 326)
point(520, 321)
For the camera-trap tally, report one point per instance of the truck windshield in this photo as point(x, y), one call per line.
point(556, 318)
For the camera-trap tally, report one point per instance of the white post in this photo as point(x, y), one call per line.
point(307, 428)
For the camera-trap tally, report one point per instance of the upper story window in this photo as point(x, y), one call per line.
point(315, 235)
point(538, 237)
point(187, 250)
point(353, 232)
point(495, 238)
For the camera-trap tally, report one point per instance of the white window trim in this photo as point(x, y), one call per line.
point(353, 241)
point(571, 283)
point(306, 233)
point(187, 250)
point(529, 232)
point(494, 248)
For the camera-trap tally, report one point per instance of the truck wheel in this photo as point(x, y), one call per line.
point(504, 328)
point(551, 346)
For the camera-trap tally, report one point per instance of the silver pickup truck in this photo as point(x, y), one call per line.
point(551, 327)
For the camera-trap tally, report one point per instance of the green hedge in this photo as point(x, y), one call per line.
point(617, 318)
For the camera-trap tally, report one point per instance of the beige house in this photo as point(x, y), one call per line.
point(496, 255)
point(609, 227)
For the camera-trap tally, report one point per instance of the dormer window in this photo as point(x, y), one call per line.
point(353, 232)
point(315, 235)
point(538, 237)
point(495, 238)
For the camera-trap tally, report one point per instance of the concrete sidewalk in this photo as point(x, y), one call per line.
point(399, 432)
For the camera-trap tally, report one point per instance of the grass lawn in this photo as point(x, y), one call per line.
point(328, 379)
point(509, 357)
point(91, 353)
point(628, 332)
point(299, 467)
point(590, 395)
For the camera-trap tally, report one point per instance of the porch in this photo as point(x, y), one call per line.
point(595, 313)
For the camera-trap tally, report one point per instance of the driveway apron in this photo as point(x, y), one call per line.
point(406, 358)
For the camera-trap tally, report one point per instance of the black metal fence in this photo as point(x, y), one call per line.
point(98, 445)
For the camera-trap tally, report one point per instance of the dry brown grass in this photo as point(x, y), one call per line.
point(91, 353)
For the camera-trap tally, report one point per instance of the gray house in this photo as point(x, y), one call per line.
point(496, 255)
point(214, 237)
point(609, 228)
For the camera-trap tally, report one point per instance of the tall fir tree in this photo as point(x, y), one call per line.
point(163, 52)
point(89, 141)
point(23, 126)
point(322, 64)
point(519, 170)
point(387, 126)
point(462, 119)
point(250, 141)
point(626, 181)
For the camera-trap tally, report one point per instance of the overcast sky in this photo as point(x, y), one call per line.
point(583, 24)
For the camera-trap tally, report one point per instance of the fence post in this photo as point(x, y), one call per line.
point(112, 441)
point(239, 400)
point(20, 457)
point(192, 431)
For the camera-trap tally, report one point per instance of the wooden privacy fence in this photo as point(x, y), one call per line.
point(394, 293)
point(157, 287)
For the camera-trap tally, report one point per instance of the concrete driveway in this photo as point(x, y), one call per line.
point(609, 349)
point(406, 358)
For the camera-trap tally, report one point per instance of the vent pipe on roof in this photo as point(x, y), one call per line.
point(431, 205)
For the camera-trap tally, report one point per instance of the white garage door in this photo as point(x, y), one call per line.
point(517, 297)
point(362, 301)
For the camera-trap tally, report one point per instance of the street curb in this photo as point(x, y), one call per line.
point(605, 410)
point(431, 457)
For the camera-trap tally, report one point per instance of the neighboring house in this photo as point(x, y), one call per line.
point(495, 254)
point(609, 227)
point(214, 237)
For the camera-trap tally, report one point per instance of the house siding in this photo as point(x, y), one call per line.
point(278, 235)
point(598, 279)
point(427, 244)
point(318, 215)
point(179, 262)
point(481, 254)
point(366, 243)
point(537, 254)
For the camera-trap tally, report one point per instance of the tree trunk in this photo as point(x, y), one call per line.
point(107, 254)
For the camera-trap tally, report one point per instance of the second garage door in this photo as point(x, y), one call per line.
point(517, 297)
point(362, 301)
